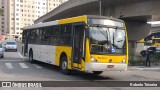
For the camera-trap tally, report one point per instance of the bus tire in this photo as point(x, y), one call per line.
point(31, 56)
point(64, 65)
point(97, 72)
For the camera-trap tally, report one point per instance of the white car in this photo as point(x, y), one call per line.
point(1, 51)
point(11, 45)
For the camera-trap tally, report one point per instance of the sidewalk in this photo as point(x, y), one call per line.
point(143, 68)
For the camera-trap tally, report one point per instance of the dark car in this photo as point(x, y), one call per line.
point(151, 50)
point(1, 51)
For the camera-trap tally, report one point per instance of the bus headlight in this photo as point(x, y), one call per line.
point(93, 59)
point(124, 60)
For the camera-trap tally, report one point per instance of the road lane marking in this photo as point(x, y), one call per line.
point(37, 66)
point(9, 65)
point(21, 56)
point(23, 65)
point(10, 60)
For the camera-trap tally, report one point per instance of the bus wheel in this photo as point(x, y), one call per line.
point(31, 57)
point(97, 72)
point(64, 65)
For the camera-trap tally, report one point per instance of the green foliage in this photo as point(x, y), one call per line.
point(157, 57)
point(138, 61)
point(1, 12)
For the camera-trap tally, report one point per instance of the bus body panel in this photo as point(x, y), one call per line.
point(109, 58)
point(41, 25)
point(90, 67)
point(88, 57)
point(73, 20)
point(35, 50)
point(67, 51)
point(43, 53)
point(48, 54)
point(82, 65)
point(127, 52)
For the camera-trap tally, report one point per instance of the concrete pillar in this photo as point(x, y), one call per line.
point(136, 31)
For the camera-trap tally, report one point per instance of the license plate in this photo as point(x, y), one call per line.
point(110, 66)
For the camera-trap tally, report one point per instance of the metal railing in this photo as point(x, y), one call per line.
point(140, 61)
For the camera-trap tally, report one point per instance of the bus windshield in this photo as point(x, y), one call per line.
point(107, 40)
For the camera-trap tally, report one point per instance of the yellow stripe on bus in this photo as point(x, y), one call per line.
point(73, 20)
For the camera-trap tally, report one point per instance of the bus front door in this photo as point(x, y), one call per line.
point(78, 46)
point(25, 44)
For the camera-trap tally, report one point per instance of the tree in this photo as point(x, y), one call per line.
point(1, 12)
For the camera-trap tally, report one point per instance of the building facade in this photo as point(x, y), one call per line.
point(2, 18)
point(21, 13)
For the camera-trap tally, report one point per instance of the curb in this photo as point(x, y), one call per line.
point(143, 68)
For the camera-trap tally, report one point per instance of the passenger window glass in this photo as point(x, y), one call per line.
point(54, 39)
point(46, 35)
point(66, 32)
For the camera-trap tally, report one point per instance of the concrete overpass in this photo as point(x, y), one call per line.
point(134, 12)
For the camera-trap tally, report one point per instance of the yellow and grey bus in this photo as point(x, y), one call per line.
point(86, 43)
point(153, 40)
point(156, 42)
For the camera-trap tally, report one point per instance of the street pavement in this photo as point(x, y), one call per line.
point(14, 67)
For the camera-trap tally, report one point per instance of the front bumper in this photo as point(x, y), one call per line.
point(11, 48)
point(89, 67)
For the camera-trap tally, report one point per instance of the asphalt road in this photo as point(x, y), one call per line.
point(13, 67)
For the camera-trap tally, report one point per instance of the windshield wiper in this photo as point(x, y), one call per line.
point(105, 41)
point(120, 41)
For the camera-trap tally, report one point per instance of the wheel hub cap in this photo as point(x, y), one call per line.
point(64, 65)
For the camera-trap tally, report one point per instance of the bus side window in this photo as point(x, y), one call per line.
point(46, 33)
point(55, 35)
point(66, 32)
point(38, 36)
point(24, 36)
point(32, 36)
